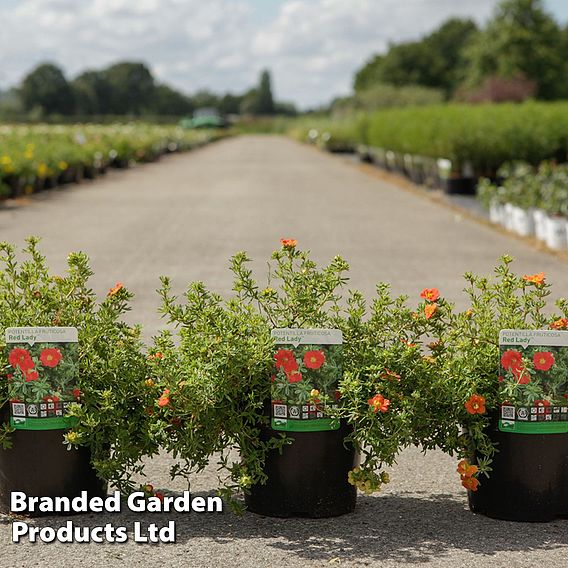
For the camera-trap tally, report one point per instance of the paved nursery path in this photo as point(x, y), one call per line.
point(184, 218)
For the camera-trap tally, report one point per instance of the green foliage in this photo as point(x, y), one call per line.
point(485, 136)
point(526, 187)
point(430, 62)
point(112, 418)
point(46, 88)
point(468, 363)
point(520, 40)
point(380, 96)
point(132, 88)
point(259, 101)
point(36, 153)
point(215, 382)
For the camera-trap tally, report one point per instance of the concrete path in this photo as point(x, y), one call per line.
point(184, 218)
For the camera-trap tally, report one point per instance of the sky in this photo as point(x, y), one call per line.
point(312, 47)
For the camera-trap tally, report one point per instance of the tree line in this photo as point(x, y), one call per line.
point(127, 89)
point(520, 53)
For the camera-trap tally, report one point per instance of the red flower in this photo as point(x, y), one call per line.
point(285, 358)
point(288, 243)
point(21, 358)
point(522, 375)
point(543, 360)
point(31, 375)
point(51, 398)
point(50, 357)
point(314, 359)
point(537, 279)
point(159, 495)
point(379, 402)
point(511, 359)
point(544, 404)
point(294, 376)
point(430, 294)
point(430, 310)
point(475, 404)
point(561, 323)
point(77, 393)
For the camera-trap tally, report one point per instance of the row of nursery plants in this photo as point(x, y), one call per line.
point(316, 387)
point(530, 201)
point(37, 157)
point(452, 145)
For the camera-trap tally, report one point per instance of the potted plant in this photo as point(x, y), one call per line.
point(497, 373)
point(74, 412)
point(253, 373)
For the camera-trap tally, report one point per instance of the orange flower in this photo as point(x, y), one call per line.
point(561, 323)
point(430, 310)
point(115, 289)
point(475, 404)
point(470, 483)
point(391, 375)
point(430, 294)
point(164, 399)
point(537, 279)
point(157, 355)
point(465, 469)
point(288, 243)
point(379, 402)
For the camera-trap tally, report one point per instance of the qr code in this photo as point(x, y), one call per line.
point(508, 412)
point(18, 409)
point(280, 411)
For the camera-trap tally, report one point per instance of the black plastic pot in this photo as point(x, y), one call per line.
point(309, 477)
point(461, 185)
point(40, 465)
point(529, 481)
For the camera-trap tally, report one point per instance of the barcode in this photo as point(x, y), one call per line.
point(280, 411)
point(508, 412)
point(18, 409)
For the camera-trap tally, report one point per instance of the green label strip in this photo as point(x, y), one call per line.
point(53, 423)
point(318, 425)
point(516, 427)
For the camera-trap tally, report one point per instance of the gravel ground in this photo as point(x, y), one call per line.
point(184, 218)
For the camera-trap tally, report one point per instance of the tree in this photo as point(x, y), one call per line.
point(169, 102)
point(93, 93)
point(429, 62)
point(205, 98)
point(132, 88)
point(265, 102)
point(47, 89)
point(230, 104)
point(521, 41)
point(259, 101)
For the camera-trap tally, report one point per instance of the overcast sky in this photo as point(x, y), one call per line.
point(312, 47)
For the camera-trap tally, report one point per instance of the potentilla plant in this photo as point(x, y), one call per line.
point(215, 384)
point(104, 373)
point(476, 376)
